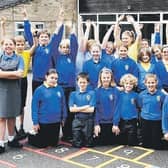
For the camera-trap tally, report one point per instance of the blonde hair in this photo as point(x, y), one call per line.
point(149, 75)
point(19, 39)
point(65, 42)
point(96, 45)
point(106, 70)
point(89, 44)
point(132, 79)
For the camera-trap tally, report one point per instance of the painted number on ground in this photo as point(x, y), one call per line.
point(61, 150)
point(128, 151)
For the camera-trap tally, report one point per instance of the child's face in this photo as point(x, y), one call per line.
point(51, 79)
point(128, 85)
point(8, 46)
point(20, 46)
point(65, 49)
point(151, 84)
point(106, 79)
point(95, 52)
point(123, 52)
point(82, 84)
point(109, 49)
point(126, 39)
point(165, 53)
point(145, 58)
point(44, 39)
point(144, 44)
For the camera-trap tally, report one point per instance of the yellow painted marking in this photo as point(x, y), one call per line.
point(78, 164)
point(78, 153)
point(106, 163)
point(122, 158)
point(114, 149)
point(145, 149)
point(143, 155)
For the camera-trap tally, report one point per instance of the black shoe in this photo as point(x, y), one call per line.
point(21, 135)
point(2, 149)
point(15, 144)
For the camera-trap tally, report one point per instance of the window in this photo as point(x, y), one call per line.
point(19, 27)
point(148, 19)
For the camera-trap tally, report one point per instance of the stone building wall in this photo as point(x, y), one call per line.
point(45, 11)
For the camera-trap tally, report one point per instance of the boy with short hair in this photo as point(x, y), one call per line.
point(82, 104)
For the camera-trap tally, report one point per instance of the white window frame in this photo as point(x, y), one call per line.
point(33, 26)
point(161, 21)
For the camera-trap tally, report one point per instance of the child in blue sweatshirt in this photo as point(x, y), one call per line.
point(107, 97)
point(65, 58)
point(123, 65)
point(48, 112)
point(165, 119)
point(82, 103)
point(151, 101)
point(128, 109)
point(43, 58)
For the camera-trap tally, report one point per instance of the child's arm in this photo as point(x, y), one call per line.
point(136, 26)
point(117, 31)
point(165, 118)
point(157, 39)
point(86, 35)
point(107, 36)
point(57, 36)
point(27, 27)
point(116, 117)
point(73, 43)
point(34, 46)
point(13, 74)
point(96, 34)
point(84, 109)
point(35, 109)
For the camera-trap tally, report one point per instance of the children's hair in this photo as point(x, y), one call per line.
point(131, 34)
point(89, 44)
point(110, 43)
point(123, 46)
point(51, 71)
point(143, 51)
point(43, 32)
point(96, 45)
point(12, 39)
point(149, 75)
point(65, 42)
point(132, 79)
point(145, 39)
point(156, 46)
point(83, 75)
point(106, 70)
point(19, 38)
point(164, 46)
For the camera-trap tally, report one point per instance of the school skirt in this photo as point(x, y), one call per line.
point(10, 98)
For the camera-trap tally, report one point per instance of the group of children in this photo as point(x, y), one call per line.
point(113, 95)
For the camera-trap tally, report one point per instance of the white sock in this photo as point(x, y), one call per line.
point(10, 138)
point(2, 143)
